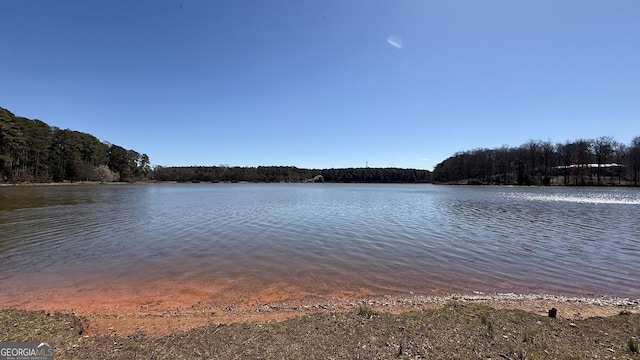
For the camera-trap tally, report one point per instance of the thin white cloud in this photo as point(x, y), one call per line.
point(395, 41)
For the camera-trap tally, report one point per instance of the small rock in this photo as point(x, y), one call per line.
point(553, 313)
point(573, 325)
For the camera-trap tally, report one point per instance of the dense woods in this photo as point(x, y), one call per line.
point(290, 174)
point(601, 161)
point(32, 151)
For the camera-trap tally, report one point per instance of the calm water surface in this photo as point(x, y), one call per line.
point(420, 238)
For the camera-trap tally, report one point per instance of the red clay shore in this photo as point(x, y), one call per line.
point(161, 308)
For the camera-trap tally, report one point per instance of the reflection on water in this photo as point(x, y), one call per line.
point(329, 236)
point(22, 197)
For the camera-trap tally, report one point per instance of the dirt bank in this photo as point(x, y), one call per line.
point(221, 319)
point(460, 328)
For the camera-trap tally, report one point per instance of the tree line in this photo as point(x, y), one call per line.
point(32, 151)
point(289, 174)
point(601, 161)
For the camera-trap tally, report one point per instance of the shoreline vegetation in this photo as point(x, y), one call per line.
point(584, 162)
point(33, 152)
point(472, 326)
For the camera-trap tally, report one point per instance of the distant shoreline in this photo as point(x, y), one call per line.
point(462, 183)
point(76, 183)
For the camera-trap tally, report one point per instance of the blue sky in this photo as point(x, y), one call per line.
point(320, 84)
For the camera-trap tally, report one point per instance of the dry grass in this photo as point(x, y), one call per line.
point(463, 331)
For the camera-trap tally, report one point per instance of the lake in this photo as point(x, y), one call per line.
point(321, 238)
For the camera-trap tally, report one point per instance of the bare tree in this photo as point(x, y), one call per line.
point(603, 150)
point(634, 154)
point(621, 154)
point(582, 159)
point(546, 149)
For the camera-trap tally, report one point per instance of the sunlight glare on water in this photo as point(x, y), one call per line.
point(613, 197)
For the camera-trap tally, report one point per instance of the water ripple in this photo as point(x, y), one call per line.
point(396, 237)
